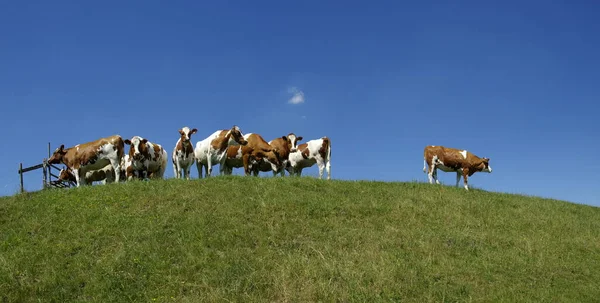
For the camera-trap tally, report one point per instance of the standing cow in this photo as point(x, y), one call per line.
point(147, 159)
point(213, 149)
point(283, 147)
point(90, 156)
point(183, 154)
point(314, 151)
point(447, 159)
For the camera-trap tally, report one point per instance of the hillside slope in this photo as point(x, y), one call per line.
point(250, 239)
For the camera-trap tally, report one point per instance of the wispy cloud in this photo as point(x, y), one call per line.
point(297, 96)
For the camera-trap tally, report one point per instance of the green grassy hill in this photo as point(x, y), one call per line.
point(247, 239)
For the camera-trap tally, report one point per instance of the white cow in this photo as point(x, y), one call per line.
point(314, 151)
point(212, 150)
point(147, 159)
point(183, 153)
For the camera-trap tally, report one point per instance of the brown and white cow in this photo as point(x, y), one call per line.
point(183, 153)
point(314, 151)
point(91, 156)
point(240, 156)
point(262, 151)
point(212, 150)
point(104, 175)
point(284, 146)
point(447, 159)
point(147, 159)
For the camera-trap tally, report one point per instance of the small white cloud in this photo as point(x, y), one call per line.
point(297, 97)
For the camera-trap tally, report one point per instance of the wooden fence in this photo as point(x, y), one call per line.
point(47, 174)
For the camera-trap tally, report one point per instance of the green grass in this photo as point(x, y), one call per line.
point(248, 239)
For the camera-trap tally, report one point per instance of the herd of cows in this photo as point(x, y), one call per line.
point(105, 160)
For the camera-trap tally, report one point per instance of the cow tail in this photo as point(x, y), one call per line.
point(327, 143)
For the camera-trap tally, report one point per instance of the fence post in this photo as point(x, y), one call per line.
point(21, 175)
point(45, 175)
point(49, 167)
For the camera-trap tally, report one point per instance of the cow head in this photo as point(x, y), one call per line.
point(139, 149)
point(484, 166)
point(58, 155)
point(236, 137)
point(292, 141)
point(273, 157)
point(66, 175)
point(186, 134)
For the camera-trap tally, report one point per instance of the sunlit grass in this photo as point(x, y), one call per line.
point(248, 239)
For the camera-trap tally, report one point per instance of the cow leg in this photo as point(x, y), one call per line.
point(175, 170)
point(199, 167)
point(328, 168)
point(465, 177)
point(209, 169)
point(321, 166)
point(116, 165)
point(187, 172)
point(77, 179)
point(431, 173)
point(458, 175)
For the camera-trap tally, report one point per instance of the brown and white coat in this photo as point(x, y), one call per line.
point(104, 175)
point(447, 159)
point(90, 156)
point(183, 153)
point(314, 151)
point(147, 159)
point(212, 150)
point(283, 147)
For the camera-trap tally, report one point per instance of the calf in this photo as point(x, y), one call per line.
point(284, 146)
point(314, 151)
point(183, 153)
point(453, 160)
point(212, 150)
point(105, 175)
point(91, 156)
point(147, 159)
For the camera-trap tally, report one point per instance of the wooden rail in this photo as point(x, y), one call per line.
point(46, 174)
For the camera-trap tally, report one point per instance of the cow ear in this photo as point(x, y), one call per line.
point(181, 132)
point(298, 138)
point(144, 141)
point(193, 131)
point(127, 141)
point(285, 138)
point(62, 147)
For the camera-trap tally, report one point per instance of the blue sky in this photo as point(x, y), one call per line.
point(513, 81)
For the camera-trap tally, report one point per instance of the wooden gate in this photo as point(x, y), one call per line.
point(47, 174)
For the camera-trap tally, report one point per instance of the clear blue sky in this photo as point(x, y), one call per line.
point(515, 81)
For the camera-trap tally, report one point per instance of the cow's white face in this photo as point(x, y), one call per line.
point(138, 147)
point(293, 141)
point(186, 134)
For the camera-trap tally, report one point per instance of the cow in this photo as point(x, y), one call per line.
point(307, 154)
point(147, 159)
point(91, 156)
point(284, 146)
point(263, 152)
point(104, 175)
point(447, 159)
point(212, 150)
point(183, 153)
point(240, 156)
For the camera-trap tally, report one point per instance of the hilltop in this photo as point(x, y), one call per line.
point(248, 239)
